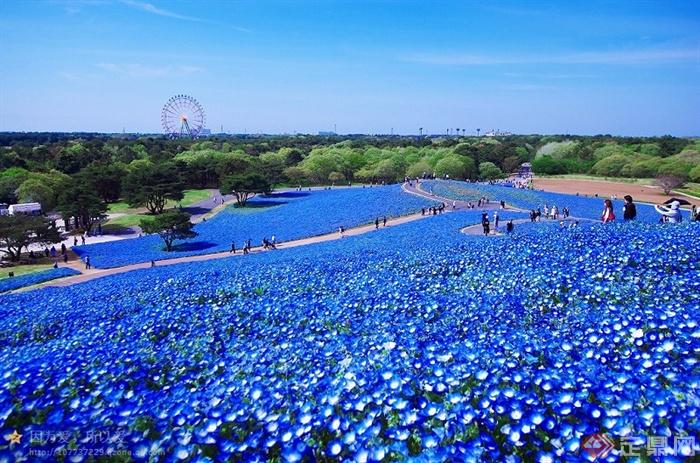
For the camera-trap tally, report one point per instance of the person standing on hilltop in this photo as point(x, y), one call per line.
point(629, 210)
point(608, 214)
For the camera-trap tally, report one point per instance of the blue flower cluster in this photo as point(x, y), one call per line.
point(9, 284)
point(412, 343)
point(288, 216)
point(580, 206)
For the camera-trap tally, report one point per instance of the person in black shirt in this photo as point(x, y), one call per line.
point(629, 210)
point(485, 223)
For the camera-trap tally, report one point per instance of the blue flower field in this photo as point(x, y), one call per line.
point(412, 343)
point(288, 216)
point(580, 206)
point(9, 284)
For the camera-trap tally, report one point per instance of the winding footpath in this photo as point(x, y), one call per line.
point(215, 205)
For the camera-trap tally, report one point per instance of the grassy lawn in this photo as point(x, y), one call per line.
point(120, 206)
point(124, 221)
point(23, 269)
point(692, 189)
point(191, 197)
point(133, 217)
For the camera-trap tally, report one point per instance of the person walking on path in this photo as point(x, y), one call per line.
point(82, 238)
point(65, 258)
point(63, 249)
point(510, 226)
point(495, 220)
point(376, 223)
point(485, 223)
point(87, 262)
point(233, 248)
point(75, 241)
point(629, 210)
point(608, 214)
point(384, 221)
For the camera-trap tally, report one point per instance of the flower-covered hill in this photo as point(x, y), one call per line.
point(580, 206)
point(415, 341)
point(288, 216)
point(9, 284)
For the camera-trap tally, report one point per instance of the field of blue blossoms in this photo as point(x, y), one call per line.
point(8, 284)
point(288, 216)
point(412, 343)
point(580, 206)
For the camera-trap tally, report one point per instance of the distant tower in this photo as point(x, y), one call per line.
point(420, 130)
point(477, 132)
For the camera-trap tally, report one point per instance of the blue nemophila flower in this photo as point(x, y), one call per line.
point(417, 342)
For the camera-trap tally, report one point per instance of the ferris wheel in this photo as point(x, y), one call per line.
point(182, 116)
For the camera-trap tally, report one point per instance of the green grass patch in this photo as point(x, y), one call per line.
point(694, 192)
point(637, 181)
point(125, 221)
point(191, 197)
point(23, 269)
point(120, 206)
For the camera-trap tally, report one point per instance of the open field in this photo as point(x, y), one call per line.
point(640, 191)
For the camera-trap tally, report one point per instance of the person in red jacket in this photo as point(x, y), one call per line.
point(608, 214)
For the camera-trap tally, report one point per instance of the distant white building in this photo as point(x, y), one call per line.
point(25, 209)
point(497, 133)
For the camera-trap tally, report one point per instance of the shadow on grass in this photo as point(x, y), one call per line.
point(194, 210)
point(287, 194)
point(258, 204)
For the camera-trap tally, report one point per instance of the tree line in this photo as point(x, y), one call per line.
point(78, 176)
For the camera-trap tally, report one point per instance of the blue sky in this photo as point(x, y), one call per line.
point(629, 68)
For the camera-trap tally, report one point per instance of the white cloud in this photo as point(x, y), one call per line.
point(644, 56)
point(139, 70)
point(150, 8)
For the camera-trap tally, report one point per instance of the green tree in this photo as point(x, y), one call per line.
point(336, 177)
point(489, 171)
point(386, 170)
point(170, 226)
point(418, 169)
point(694, 174)
point(79, 202)
point(234, 164)
point(36, 190)
point(19, 231)
point(153, 185)
point(73, 158)
point(105, 180)
point(511, 164)
point(611, 166)
point(452, 166)
point(244, 187)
